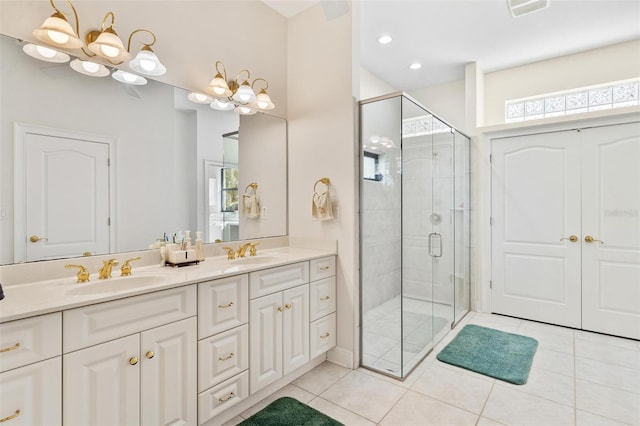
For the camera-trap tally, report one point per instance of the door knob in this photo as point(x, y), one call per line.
point(572, 238)
point(589, 239)
point(35, 239)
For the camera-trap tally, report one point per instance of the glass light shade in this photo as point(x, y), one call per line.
point(222, 105)
point(45, 54)
point(56, 31)
point(245, 110)
point(244, 93)
point(263, 101)
point(109, 46)
point(89, 68)
point(218, 87)
point(146, 62)
point(128, 78)
point(199, 98)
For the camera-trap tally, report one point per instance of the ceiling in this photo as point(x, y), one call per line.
point(444, 35)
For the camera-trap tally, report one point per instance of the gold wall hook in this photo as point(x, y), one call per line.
point(325, 180)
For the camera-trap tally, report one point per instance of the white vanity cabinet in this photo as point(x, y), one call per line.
point(223, 345)
point(30, 366)
point(132, 361)
point(279, 323)
point(322, 305)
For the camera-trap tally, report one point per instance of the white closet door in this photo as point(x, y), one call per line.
point(611, 213)
point(535, 203)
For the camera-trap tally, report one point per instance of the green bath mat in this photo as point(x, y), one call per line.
point(289, 412)
point(494, 353)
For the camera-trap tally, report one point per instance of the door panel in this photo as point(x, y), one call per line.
point(67, 196)
point(535, 203)
point(611, 214)
point(265, 341)
point(295, 332)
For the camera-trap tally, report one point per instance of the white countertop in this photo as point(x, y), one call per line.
point(42, 297)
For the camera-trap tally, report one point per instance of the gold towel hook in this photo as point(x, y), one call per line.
point(253, 185)
point(325, 180)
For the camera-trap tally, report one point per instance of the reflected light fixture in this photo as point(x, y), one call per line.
point(129, 78)
point(45, 54)
point(385, 39)
point(238, 94)
point(90, 68)
point(415, 66)
point(199, 98)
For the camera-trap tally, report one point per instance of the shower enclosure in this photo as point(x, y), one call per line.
point(414, 235)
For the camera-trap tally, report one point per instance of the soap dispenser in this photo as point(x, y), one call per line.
point(199, 251)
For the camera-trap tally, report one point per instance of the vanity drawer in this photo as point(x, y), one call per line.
point(222, 397)
point(102, 322)
point(30, 340)
point(222, 304)
point(277, 279)
point(322, 296)
point(323, 335)
point(322, 268)
point(222, 356)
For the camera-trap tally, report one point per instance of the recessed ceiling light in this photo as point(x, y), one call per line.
point(415, 65)
point(384, 39)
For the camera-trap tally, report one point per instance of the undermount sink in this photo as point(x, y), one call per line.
point(256, 260)
point(113, 285)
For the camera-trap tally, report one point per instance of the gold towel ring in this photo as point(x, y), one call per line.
point(324, 180)
point(253, 185)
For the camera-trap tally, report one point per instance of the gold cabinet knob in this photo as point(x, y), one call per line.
point(150, 354)
point(280, 308)
point(288, 306)
point(589, 239)
point(35, 239)
point(133, 360)
point(572, 238)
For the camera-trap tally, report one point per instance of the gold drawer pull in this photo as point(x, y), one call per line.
point(324, 268)
point(325, 335)
point(133, 360)
point(226, 398)
point(325, 298)
point(228, 305)
point(288, 306)
point(231, 355)
point(9, 349)
point(150, 354)
point(11, 417)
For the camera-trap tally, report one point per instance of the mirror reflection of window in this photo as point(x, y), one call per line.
point(229, 190)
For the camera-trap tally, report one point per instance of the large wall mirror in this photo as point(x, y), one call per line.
point(94, 166)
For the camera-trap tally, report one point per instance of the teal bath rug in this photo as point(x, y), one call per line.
point(289, 412)
point(494, 353)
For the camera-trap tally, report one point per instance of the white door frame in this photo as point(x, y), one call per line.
point(20, 131)
point(482, 299)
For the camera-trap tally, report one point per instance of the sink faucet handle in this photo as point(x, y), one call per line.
point(231, 253)
point(252, 249)
point(125, 270)
point(83, 274)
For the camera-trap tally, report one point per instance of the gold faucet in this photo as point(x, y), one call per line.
point(231, 253)
point(243, 249)
point(125, 271)
point(83, 274)
point(105, 271)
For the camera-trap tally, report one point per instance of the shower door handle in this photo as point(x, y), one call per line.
point(433, 236)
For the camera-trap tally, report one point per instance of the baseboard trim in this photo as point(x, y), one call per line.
point(341, 357)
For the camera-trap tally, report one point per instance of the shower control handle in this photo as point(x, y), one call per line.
point(431, 246)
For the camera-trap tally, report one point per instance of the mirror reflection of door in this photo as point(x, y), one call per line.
point(65, 182)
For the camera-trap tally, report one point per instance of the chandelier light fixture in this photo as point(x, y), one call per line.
point(238, 94)
point(103, 45)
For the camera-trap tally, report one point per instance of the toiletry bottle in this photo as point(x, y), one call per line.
point(187, 239)
point(199, 251)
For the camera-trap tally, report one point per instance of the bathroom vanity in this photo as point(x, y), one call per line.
point(194, 345)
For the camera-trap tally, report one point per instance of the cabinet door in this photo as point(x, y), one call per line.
point(168, 374)
point(101, 384)
point(265, 341)
point(295, 328)
point(30, 395)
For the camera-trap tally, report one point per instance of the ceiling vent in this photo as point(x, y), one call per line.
point(523, 7)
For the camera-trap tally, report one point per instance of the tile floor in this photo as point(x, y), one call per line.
point(577, 378)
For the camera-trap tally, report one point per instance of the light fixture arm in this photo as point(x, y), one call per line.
point(260, 79)
point(222, 73)
point(240, 73)
point(104, 20)
point(147, 46)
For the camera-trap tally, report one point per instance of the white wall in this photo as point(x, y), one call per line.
point(616, 62)
point(371, 86)
point(322, 144)
point(447, 101)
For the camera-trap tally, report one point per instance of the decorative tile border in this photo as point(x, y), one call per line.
point(584, 99)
